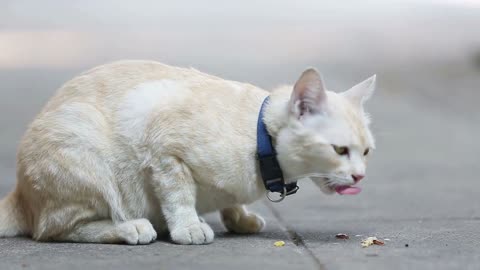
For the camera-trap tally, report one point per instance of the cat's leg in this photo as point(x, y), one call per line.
point(176, 191)
point(238, 220)
point(132, 232)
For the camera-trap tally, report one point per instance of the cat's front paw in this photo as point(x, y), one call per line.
point(195, 234)
point(245, 224)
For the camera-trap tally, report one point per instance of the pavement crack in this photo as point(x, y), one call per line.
point(295, 237)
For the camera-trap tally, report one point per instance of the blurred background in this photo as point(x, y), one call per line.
point(422, 179)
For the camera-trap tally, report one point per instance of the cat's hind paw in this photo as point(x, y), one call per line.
point(137, 232)
point(238, 222)
point(195, 234)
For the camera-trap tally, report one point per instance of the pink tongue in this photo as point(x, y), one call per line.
point(346, 190)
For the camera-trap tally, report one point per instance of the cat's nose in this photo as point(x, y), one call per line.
point(357, 177)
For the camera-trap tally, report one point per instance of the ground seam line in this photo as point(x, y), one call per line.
point(294, 236)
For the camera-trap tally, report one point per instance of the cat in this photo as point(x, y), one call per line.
point(132, 148)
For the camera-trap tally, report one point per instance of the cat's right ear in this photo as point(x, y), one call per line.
point(308, 96)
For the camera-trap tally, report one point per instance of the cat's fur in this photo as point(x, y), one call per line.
point(133, 148)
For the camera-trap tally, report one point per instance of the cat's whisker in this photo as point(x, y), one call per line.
point(309, 175)
point(342, 179)
point(330, 179)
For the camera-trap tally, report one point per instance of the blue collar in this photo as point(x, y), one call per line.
point(267, 156)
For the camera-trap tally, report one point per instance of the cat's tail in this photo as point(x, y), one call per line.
point(12, 219)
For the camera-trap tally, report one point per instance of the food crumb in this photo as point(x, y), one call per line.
point(342, 236)
point(279, 243)
point(372, 241)
point(378, 242)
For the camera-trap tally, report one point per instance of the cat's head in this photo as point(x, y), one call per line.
point(326, 134)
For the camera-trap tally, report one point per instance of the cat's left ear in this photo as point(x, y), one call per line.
point(308, 96)
point(362, 91)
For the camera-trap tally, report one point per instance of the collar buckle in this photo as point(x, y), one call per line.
point(270, 170)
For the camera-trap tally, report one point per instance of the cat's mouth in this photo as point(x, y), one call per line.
point(340, 188)
point(345, 190)
point(330, 183)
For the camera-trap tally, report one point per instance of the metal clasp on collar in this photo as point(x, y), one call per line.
point(282, 196)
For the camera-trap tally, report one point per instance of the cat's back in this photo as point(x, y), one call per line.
point(120, 97)
point(107, 83)
point(108, 86)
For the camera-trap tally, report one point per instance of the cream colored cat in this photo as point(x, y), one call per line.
point(133, 148)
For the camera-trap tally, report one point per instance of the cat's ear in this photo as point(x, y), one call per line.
point(308, 96)
point(362, 91)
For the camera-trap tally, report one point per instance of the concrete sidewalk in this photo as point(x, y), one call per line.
point(421, 193)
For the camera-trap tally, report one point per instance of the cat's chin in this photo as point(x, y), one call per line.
point(321, 183)
point(327, 190)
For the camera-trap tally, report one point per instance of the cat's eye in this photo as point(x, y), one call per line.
point(366, 151)
point(341, 150)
